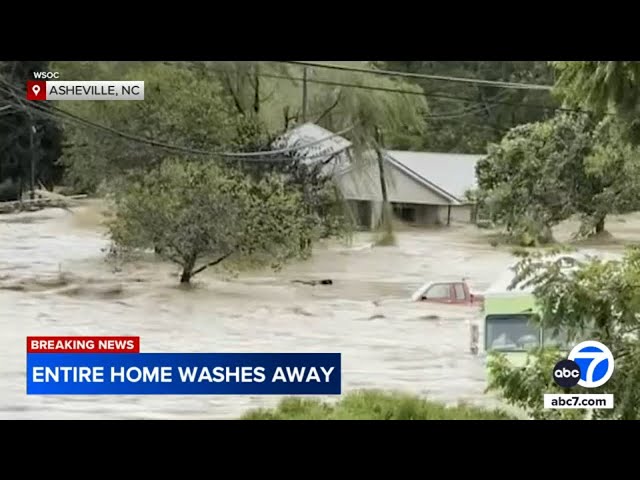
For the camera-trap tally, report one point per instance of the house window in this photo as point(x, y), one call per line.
point(439, 291)
point(511, 333)
point(409, 214)
point(460, 295)
point(406, 213)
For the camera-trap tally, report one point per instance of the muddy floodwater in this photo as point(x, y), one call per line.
point(54, 281)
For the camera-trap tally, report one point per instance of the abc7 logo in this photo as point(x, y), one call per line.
point(589, 364)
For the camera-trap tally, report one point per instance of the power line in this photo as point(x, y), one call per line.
point(492, 83)
point(447, 116)
point(154, 143)
point(461, 112)
point(82, 121)
point(424, 94)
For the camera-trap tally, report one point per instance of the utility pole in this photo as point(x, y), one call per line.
point(32, 153)
point(304, 95)
point(383, 184)
point(385, 214)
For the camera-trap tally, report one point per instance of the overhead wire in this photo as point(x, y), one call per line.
point(46, 110)
point(422, 94)
point(85, 122)
point(262, 154)
point(463, 111)
point(492, 83)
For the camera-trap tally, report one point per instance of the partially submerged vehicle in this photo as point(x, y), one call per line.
point(447, 292)
point(508, 313)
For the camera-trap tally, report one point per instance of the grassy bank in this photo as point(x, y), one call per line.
point(372, 405)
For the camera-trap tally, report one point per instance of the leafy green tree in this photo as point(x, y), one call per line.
point(28, 140)
point(596, 300)
point(192, 105)
point(196, 211)
point(604, 87)
point(600, 85)
point(609, 181)
point(336, 100)
point(454, 125)
point(181, 108)
point(524, 180)
point(542, 173)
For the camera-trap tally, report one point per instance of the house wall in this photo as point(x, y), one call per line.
point(367, 214)
point(363, 183)
point(412, 201)
point(417, 214)
point(459, 214)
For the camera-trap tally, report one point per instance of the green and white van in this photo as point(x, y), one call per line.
point(507, 324)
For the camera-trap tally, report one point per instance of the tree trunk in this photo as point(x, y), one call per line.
point(600, 225)
point(186, 276)
point(187, 269)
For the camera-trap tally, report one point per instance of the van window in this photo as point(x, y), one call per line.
point(459, 291)
point(510, 333)
point(438, 291)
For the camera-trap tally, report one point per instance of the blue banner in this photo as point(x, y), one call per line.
point(184, 374)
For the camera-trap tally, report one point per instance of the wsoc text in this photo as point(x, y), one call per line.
point(79, 374)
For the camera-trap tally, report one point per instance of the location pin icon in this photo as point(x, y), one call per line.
point(36, 89)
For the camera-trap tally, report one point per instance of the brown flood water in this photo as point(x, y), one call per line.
point(54, 281)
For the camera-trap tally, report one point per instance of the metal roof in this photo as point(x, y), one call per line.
point(451, 173)
point(448, 174)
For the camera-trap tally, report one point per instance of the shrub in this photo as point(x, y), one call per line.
point(372, 405)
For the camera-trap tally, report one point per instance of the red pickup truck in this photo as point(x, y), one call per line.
point(457, 293)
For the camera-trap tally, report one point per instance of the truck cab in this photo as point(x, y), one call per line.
point(454, 293)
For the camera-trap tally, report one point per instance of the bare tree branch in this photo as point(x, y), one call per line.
point(256, 89)
point(287, 119)
point(331, 107)
point(210, 264)
point(226, 80)
point(269, 96)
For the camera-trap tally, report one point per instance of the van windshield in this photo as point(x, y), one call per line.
point(510, 333)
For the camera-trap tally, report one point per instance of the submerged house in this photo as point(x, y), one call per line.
point(424, 188)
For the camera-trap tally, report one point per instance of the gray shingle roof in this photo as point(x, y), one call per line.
point(308, 133)
point(453, 173)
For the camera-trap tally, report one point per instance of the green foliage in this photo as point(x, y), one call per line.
point(180, 108)
point(611, 175)
point(274, 93)
point(372, 405)
point(525, 387)
point(367, 110)
point(231, 106)
point(19, 144)
point(599, 85)
point(191, 211)
point(542, 173)
point(455, 125)
point(523, 179)
point(603, 87)
point(595, 299)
